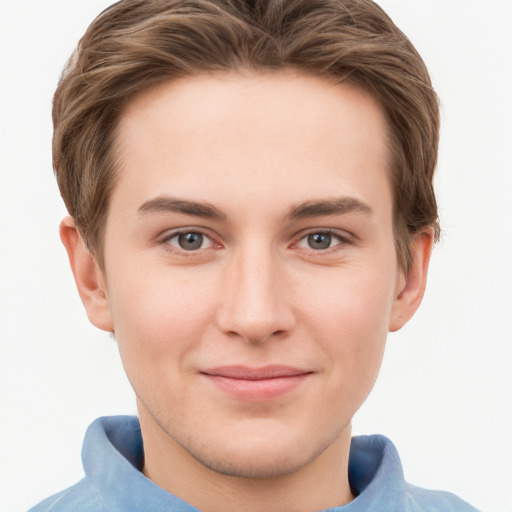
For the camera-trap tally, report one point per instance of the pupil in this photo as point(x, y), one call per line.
point(190, 241)
point(319, 241)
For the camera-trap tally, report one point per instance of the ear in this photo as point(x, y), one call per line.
point(411, 286)
point(89, 278)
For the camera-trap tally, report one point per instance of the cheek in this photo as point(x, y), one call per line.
point(350, 314)
point(158, 319)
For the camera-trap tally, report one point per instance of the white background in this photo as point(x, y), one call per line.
point(444, 396)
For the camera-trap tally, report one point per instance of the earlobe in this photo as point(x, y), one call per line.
point(88, 276)
point(411, 287)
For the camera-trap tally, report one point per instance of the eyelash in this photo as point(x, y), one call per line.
point(342, 239)
point(165, 241)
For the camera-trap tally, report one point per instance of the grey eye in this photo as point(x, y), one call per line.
point(190, 241)
point(319, 241)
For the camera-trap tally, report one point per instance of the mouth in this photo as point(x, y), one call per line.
point(256, 384)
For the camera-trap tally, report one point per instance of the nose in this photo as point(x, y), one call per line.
point(255, 304)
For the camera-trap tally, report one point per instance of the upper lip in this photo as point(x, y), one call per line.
point(260, 373)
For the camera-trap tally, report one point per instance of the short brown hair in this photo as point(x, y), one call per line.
point(136, 44)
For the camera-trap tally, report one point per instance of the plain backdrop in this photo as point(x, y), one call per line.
point(444, 394)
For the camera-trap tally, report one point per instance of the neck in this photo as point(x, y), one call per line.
point(322, 483)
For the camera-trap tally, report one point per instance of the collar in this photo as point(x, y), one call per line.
point(113, 458)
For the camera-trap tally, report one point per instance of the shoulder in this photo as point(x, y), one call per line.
point(425, 500)
point(81, 497)
point(377, 480)
point(111, 452)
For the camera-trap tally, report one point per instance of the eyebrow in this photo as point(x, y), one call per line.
point(339, 206)
point(165, 204)
point(309, 209)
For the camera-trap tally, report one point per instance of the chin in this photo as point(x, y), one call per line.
point(264, 454)
point(256, 463)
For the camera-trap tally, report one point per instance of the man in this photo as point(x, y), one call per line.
point(251, 211)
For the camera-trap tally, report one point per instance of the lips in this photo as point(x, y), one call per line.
point(256, 384)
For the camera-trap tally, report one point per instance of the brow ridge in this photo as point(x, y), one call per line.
point(308, 209)
point(322, 207)
point(163, 204)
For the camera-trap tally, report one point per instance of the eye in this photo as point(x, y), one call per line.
point(189, 241)
point(321, 240)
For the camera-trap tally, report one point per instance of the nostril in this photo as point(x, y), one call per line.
point(257, 337)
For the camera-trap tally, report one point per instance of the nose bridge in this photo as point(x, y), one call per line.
point(254, 304)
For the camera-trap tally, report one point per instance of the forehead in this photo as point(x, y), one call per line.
point(254, 133)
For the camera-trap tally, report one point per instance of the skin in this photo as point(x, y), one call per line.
point(238, 160)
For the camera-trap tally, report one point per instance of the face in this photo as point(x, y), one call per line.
point(250, 268)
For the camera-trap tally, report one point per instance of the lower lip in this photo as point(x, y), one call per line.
point(260, 390)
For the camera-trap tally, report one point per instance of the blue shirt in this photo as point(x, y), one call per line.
point(112, 457)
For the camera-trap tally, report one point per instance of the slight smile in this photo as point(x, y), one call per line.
point(256, 384)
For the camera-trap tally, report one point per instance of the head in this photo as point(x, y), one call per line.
point(134, 46)
point(250, 187)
